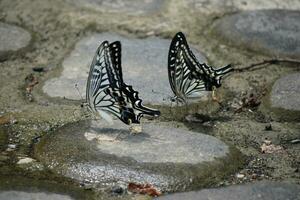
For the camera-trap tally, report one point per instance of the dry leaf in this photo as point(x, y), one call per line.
point(143, 189)
point(4, 120)
point(268, 147)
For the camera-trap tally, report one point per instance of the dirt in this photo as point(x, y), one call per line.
point(56, 26)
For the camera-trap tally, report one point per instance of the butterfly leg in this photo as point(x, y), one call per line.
point(134, 129)
point(214, 95)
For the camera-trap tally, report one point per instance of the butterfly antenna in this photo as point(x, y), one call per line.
point(76, 87)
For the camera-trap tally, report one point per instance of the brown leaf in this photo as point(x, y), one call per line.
point(4, 120)
point(143, 189)
point(31, 82)
point(268, 147)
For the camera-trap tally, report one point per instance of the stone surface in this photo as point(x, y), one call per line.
point(229, 5)
point(12, 38)
point(274, 32)
point(20, 195)
point(131, 7)
point(144, 63)
point(21, 188)
point(265, 190)
point(286, 92)
point(108, 154)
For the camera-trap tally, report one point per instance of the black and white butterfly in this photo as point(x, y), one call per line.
point(189, 78)
point(106, 92)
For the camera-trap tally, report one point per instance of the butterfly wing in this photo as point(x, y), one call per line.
point(132, 100)
point(98, 92)
point(182, 65)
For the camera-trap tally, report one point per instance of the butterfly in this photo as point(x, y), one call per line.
point(188, 77)
point(106, 92)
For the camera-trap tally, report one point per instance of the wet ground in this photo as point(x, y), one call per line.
point(258, 116)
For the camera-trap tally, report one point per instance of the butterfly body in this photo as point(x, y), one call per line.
point(188, 77)
point(106, 92)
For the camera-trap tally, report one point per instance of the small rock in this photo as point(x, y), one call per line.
point(295, 141)
point(240, 176)
point(25, 161)
point(268, 127)
point(12, 146)
point(117, 190)
point(38, 69)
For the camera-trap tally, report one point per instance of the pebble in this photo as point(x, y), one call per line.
point(25, 161)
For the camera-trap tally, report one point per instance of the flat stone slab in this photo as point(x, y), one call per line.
point(286, 92)
point(274, 32)
point(22, 188)
point(230, 5)
point(130, 7)
point(144, 63)
point(265, 190)
point(20, 195)
point(170, 158)
point(12, 38)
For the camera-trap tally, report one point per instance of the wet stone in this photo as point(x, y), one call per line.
point(170, 158)
point(266, 190)
point(144, 64)
point(205, 6)
point(286, 92)
point(130, 7)
point(12, 38)
point(21, 195)
point(274, 32)
point(21, 188)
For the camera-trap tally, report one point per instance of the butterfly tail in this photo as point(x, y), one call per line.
point(224, 70)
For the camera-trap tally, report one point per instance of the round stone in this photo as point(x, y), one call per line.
point(21, 188)
point(20, 195)
point(286, 92)
point(144, 65)
point(170, 158)
point(12, 38)
point(274, 32)
point(230, 5)
point(131, 7)
point(260, 190)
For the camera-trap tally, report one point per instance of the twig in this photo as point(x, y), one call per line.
point(271, 61)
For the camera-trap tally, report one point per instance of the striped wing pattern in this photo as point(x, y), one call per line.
point(106, 90)
point(98, 91)
point(187, 77)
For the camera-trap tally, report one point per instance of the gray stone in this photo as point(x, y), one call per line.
point(264, 190)
point(170, 158)
point(36, 188)
point(12, 38)
point(130, 7)
point(286, 92)
point(20, 195)
point(274, 32)
point(144, 63)
point(233, 5)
